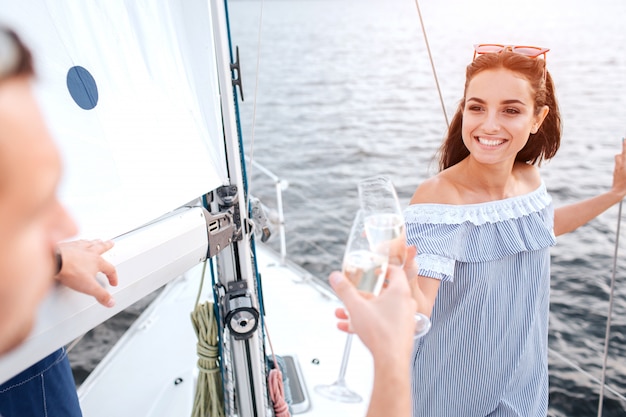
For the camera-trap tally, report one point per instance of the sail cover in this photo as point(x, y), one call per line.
point(129, 90)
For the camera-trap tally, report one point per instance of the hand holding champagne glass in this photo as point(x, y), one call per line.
point(365, 269)
point(384, 226)
point(377, 239)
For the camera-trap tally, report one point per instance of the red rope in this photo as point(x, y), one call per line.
point(277, 392)
point(276, 388)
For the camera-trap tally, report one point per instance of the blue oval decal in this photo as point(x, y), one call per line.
point(82, 87)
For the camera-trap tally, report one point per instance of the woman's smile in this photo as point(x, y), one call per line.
point(490, 142)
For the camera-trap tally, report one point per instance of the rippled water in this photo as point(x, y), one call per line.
point(345, 91)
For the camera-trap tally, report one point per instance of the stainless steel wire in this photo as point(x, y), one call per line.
point(607, 336)
point(432, 63)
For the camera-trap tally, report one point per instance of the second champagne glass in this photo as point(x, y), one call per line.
point(384, 225)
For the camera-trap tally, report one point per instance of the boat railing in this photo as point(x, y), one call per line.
point(279, 186)
point(277, 215)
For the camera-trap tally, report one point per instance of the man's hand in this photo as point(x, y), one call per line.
point(81, 261)
point(385, 323)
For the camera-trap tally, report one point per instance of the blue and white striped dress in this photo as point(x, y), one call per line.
point(487, 351)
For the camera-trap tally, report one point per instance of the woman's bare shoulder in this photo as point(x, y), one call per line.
point(436, 190)
point(528, 175)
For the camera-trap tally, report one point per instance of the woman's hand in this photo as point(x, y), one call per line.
point(619, 173)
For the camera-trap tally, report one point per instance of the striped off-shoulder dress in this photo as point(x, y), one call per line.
point(487, 351)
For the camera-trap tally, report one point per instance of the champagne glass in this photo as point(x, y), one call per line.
point(384, 226)
point(366, 269)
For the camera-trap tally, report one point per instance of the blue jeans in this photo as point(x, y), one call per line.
point(46, 389)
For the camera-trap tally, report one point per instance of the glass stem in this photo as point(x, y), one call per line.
point(344, 360)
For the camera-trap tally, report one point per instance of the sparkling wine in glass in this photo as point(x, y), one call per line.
point(385, 229)
point(385, 234)
point(366, 269)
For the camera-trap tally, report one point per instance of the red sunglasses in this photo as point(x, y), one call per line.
point(491, 48)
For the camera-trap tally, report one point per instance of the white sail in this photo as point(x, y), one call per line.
point(154, 139)
point(130, 92)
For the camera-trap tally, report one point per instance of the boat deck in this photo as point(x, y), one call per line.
point(152, 370)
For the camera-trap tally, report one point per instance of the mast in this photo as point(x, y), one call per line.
point(236, 290)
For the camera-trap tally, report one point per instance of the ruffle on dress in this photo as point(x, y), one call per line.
point(444, 234)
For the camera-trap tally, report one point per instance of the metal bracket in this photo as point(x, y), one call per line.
point(221, 231)
point(235, 66)
point(261, 224)
point(224, 227)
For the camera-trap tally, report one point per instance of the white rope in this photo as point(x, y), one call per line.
point(74, 342)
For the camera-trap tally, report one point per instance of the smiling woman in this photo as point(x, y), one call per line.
point(486, 222)
point(494, 197)
point(528, 85)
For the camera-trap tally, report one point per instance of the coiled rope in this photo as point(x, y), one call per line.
point(209, 397)
point(276, 388)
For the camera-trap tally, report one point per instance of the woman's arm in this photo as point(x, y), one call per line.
point(425, 294)
point(569, 218)
point(423, 289)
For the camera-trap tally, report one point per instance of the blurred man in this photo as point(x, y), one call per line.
point(32, 221)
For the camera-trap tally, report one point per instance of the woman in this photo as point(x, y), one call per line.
point(483, 227)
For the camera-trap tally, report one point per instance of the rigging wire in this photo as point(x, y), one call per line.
point(576, 367)
point(432, 64)
point(254, 99)
point(607, 335)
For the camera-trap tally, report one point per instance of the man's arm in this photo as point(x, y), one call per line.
point(386, 324)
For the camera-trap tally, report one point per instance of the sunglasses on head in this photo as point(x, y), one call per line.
point(494, 48)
